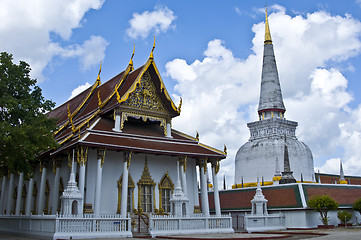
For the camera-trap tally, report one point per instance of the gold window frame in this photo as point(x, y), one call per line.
point(164, 184)
point(131, 184)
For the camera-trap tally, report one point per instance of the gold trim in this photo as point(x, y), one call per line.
point(100, 70)
point(101, 155)
point(82, 155)
point(145, 180)
point(203, 163)
point(127, 158)
point(183, 162)
point(125, 115)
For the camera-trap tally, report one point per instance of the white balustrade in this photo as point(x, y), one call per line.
point(165, 225)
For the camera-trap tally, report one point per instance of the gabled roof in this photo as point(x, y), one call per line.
point(86, 118)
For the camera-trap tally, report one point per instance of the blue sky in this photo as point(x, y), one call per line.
point(210, 54)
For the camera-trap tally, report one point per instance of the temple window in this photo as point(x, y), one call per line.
point(166, 187)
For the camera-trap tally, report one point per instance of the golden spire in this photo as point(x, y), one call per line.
point(131, 59)
point(180, 105)
point(100, 69)
point(151, 53)
point(267, 36)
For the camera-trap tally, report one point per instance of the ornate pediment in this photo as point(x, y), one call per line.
point(145, 96)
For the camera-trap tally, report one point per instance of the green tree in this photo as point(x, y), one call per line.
point(344, 216)
point(25, 131)
point(357, 205)
point(323, 204)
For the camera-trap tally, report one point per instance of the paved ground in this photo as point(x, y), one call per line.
point(332, 234)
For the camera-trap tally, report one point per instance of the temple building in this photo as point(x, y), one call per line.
point(263, 154)
point(129, 167)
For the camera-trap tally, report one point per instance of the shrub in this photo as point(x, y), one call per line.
point(323, 204)
point(357, 205)
point(344, 216)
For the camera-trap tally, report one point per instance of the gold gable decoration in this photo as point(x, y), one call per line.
point(146, 179)
point(145, 96)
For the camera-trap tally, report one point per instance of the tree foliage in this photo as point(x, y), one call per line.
point(323, 204)
point(357, 205)
point(25, 131)
point(344, 216)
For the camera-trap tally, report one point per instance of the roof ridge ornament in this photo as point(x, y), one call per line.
point(151, 53)
point(267, 36)
point(131, 59)
point(180, 105)
point(100, 70)
point(70, 118)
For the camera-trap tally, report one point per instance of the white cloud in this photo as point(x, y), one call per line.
point(220, 91)
point(142, 24)
point(79, 89)
point(26, 28)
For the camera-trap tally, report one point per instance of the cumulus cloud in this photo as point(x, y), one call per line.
point(142, 24)
point(79, 89)
point(220, 91)
point(29, 25)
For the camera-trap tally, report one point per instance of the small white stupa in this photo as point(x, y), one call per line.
point(259, 203)
point(72, 199)
point(178, 200)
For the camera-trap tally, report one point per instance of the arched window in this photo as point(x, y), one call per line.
point(165, 187)
point(47, 194)
point(35, 196)
point(74, 208)
point(146, 190)
point(130, 200)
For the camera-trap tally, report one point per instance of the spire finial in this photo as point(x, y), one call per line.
point(151, 53)
point(100, 69)
point(267, 36)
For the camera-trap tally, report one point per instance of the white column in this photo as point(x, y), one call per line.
point(98, 184)
point(10, 194)
point(2, 198)
point(82, 183)
point(169, 130)
point(56, 189)
point(217, 205)
point(123, 206)
point(204, 192)
point(195, 190)
point(183, 164)
point(117, 123)
point(29, 196)
point(19, 196)
point(42, 192)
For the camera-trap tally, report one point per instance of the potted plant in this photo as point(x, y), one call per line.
point(323, 204)
point(344, 217)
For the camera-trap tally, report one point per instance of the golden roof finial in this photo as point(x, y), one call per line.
point(197, 136)
point(100, 69)
point(225, 149)
point(131, 58)
point(151, 53)
point(267, 36)
point(180, 105)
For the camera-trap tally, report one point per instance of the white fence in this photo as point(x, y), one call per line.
point(51, 226)
point(255, 223)
point(172, 225)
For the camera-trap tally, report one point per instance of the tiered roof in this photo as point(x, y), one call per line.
point(88, 118)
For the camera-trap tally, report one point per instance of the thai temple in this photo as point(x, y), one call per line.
point(262, 155)
point(121, 170)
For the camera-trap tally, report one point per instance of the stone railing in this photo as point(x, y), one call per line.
point(254, 223)
point(67, 226)
point(173, 225)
